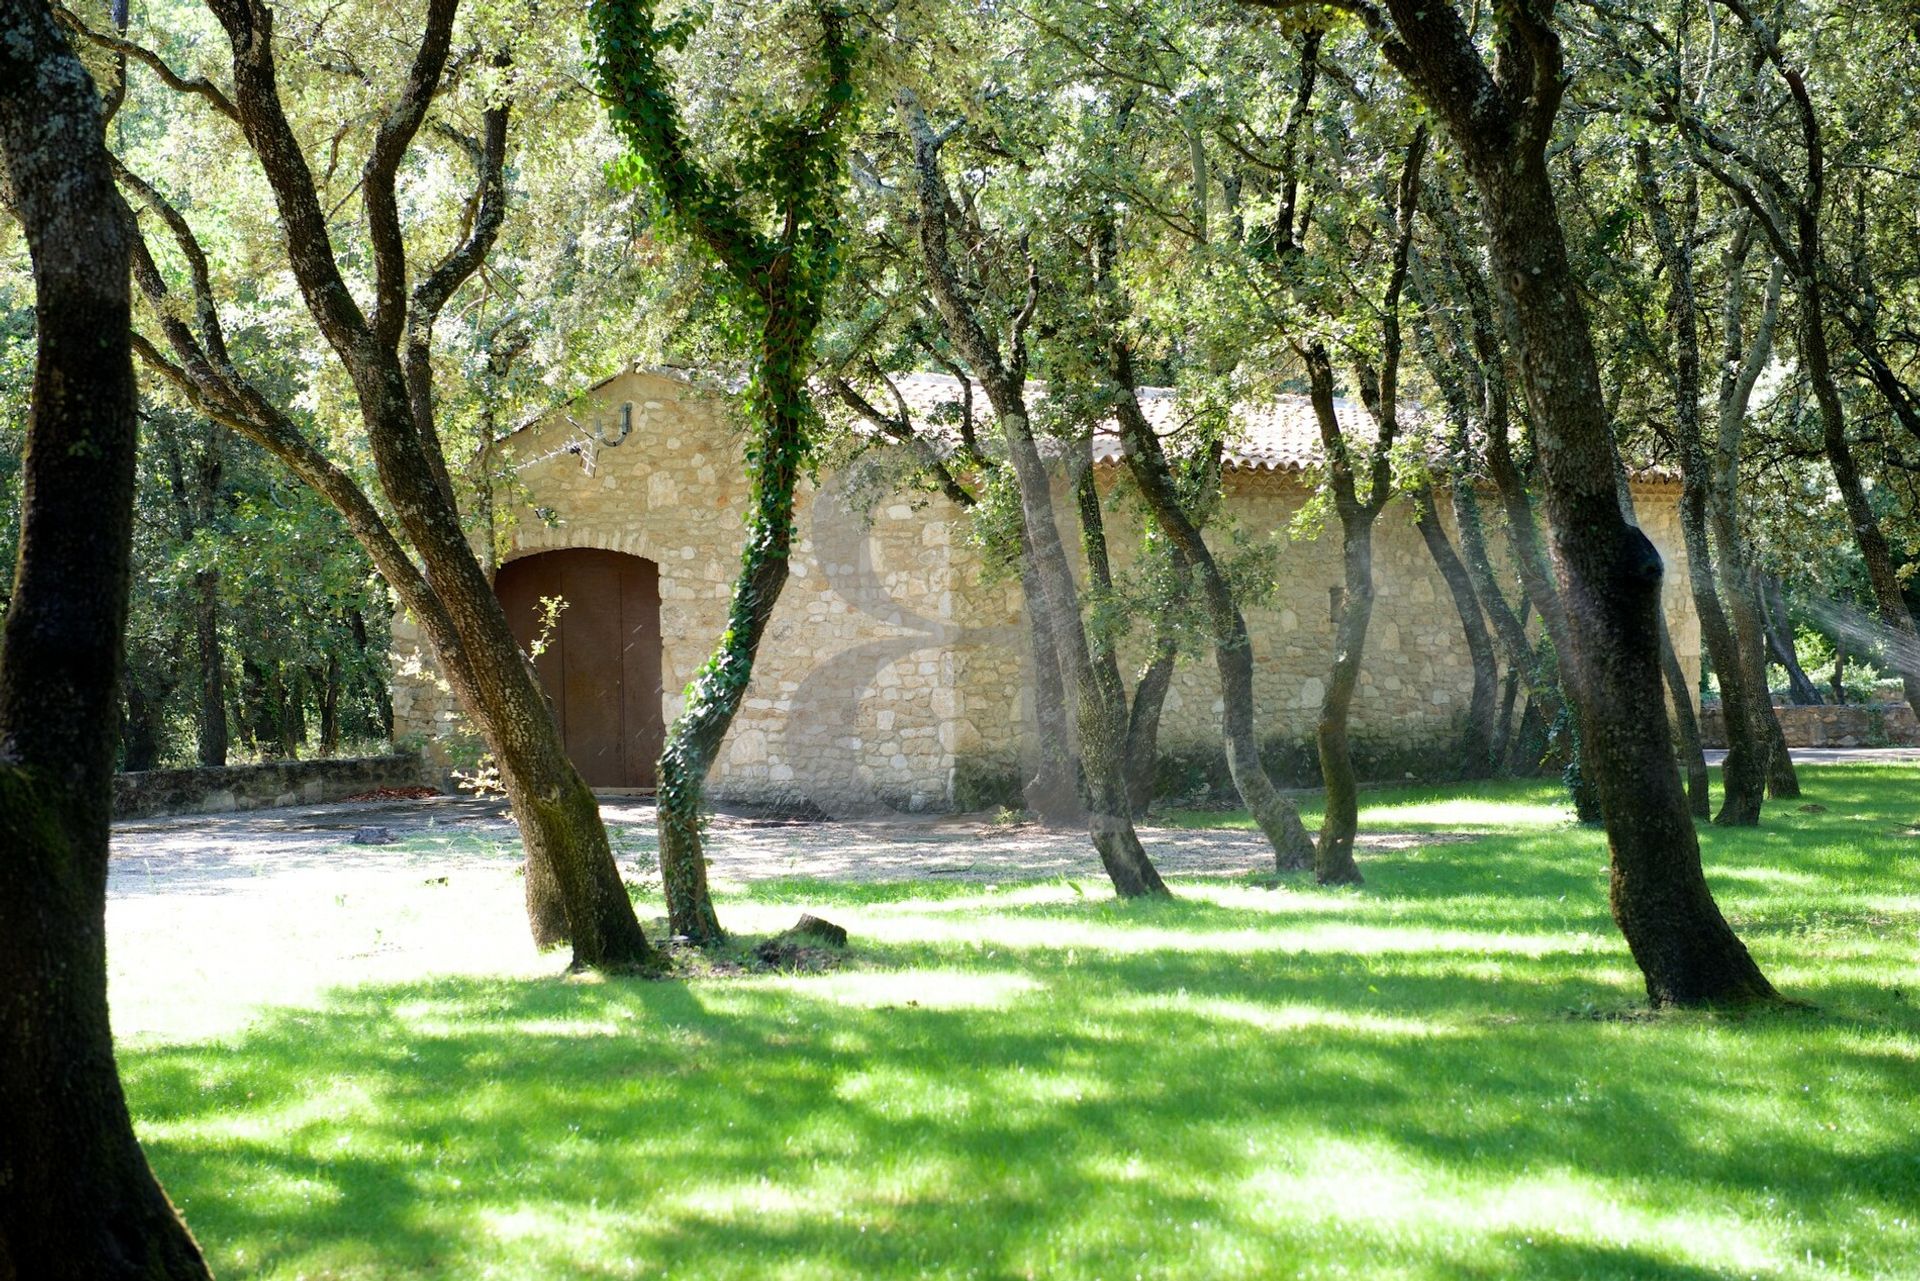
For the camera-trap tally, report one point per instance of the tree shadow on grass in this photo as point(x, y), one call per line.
point(1171, 1113)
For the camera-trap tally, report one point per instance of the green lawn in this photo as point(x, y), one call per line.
point(1446, 1073)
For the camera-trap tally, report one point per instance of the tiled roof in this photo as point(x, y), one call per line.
point(1280, 434)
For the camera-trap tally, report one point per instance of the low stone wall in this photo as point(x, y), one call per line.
point(1845, 725)
point(219, 789)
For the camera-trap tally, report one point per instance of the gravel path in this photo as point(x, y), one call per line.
point(212, 854)
point(212, 919)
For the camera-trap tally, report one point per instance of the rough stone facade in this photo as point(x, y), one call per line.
point(1847, 725)
point(892, 674)
point(222, 789)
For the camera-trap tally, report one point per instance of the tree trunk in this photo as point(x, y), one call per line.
point(1743, 776)
point(293, 707)
point(1609, 572)
point(1547, 679)
point(370, 664)
point(1333, 857)
point(1482, 726)
point(1278, 818)
point(1053, 794)
point(1686, 727)
point(1143, 726)
point(1610, 577)
point(210, 714)
point(1471, 377)
point(1741, 364)
point(1150, 692)
point(330, 706)
point(1099, 698)
point(567, 852)
point(1882, 575)
point(1503, 722)
point(1778, 629)
point(77, 1199)
point(143, 730)
point(778, 408)
point(1100, 713)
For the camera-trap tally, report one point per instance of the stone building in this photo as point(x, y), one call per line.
point(894, 671)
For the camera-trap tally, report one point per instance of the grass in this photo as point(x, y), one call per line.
point(1445, 1074)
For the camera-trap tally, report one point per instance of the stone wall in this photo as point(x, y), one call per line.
point(892, 674)
point(218, 790)
point(1416, 678)
point(1845, 725)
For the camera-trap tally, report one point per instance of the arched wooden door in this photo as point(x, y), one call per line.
point(601, 666)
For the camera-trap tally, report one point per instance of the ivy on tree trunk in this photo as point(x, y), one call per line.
point(777, 281)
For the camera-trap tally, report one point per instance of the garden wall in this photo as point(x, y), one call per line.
point(1846, 725)
point(219, 789)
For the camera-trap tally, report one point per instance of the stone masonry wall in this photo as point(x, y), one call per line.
point(221, 789)
point(1843, 725)
point(891, 675)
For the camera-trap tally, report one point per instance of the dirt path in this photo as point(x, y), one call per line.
point(212, 918)
point(201, 854)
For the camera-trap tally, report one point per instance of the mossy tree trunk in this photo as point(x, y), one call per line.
point(77, 1199)
point(713, 700)
point(779, 280)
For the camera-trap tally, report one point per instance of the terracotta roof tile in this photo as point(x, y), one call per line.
point(1278, 435)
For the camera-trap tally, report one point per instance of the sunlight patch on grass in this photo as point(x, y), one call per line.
point(1375, 1187)
point(1466, 813)
point(1294, 1017)
point(927, 989)
point(1126, 938)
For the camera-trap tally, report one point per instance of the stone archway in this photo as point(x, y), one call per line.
point(601, 665)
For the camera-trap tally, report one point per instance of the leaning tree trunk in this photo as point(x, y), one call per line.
point(1742, 362)
point(778, 409)
point(1686, 727)
point(1095, 688)
point(77, 1199)
point(1462, 383)
point(1278, 818)
point(1052, 795)
point(1610, 600)
point(1743, 777)
point(1479, 731)
point(1882, 575)
point(1609, 572)
point(1143, 725)
point(573, 887)
point(1777, 629)
point(1333, 857)
point(1099, 711)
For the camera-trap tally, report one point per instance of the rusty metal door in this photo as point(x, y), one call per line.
point(601, 665)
